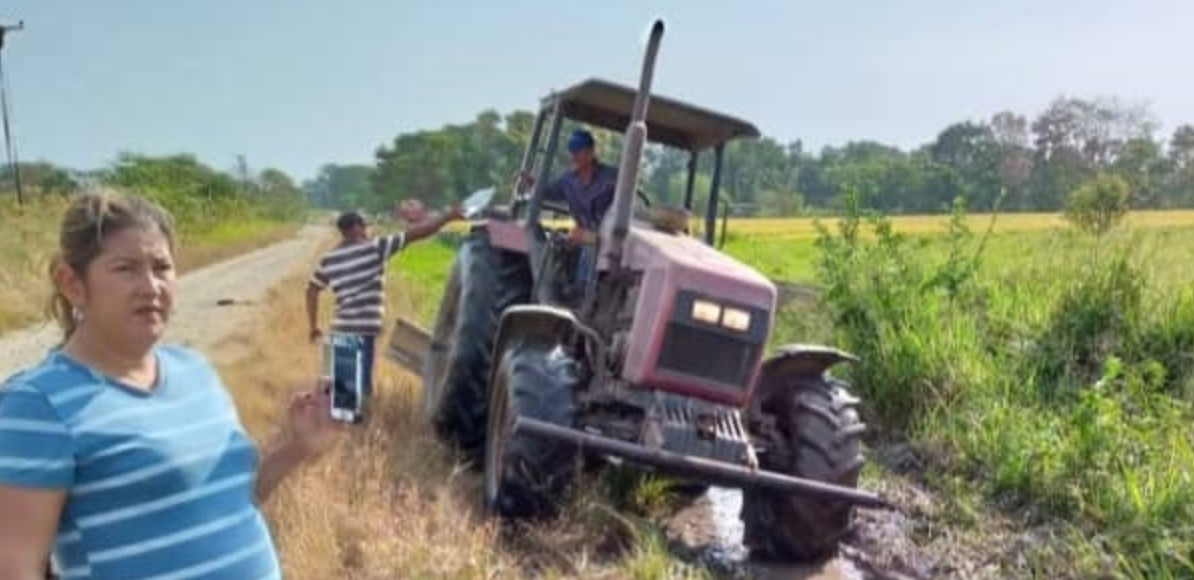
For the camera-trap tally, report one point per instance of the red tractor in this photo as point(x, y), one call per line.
point(657, 361)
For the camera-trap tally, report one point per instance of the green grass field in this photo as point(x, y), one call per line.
point(1037, 371)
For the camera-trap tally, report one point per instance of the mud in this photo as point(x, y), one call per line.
point(929, 536)
point(711, 531)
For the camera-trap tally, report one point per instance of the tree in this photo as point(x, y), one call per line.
point(1179, 183)
point(1144, 169)
point(43, 177)
point(971, 151)
point(1099, 205)
point(1036, 164)
point(341, 187)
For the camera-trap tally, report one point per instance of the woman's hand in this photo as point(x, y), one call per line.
point(312, 431)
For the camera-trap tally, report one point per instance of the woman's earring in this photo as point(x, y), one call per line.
point(77, 314)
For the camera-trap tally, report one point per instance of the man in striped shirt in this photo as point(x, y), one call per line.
point(355, 271)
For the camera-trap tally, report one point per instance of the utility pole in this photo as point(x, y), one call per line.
point(13, 162)
point(242, 171)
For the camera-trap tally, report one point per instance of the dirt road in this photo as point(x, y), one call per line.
point(199, 320)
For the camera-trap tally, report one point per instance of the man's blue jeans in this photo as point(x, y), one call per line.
point(584, 261)
point(367, 349)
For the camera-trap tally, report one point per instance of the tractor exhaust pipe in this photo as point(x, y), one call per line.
point(615, 229)
point(724, 472)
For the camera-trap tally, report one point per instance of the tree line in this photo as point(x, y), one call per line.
point(197, 195)
point(1009, 161)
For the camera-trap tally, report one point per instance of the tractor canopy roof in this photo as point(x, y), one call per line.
point(608, 105)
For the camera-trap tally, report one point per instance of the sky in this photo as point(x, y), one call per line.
point(300, 83)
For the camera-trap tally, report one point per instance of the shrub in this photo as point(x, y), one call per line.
point(1098, 205)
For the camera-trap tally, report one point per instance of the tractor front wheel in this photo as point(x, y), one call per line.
point(811, 429)
point(525, 476)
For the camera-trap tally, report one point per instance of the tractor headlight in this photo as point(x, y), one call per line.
point(715, 314)
point(705, 311)
point(736, 319)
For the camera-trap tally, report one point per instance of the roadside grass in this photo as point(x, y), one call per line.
point(29, 238)
point(392, 501)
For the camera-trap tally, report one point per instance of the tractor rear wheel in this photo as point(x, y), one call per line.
point(485, 281)
point(525, 475)
point(811, 429)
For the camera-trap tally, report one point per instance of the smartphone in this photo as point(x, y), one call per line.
point(344, 366)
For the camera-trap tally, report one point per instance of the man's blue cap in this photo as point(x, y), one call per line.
point(580, 139)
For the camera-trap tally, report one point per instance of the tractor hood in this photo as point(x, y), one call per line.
point(691, 263)
point(701, 318)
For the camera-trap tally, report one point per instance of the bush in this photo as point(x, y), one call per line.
point(1099, 205)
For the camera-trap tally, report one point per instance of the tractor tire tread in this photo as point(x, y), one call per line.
point(817, 435)
point(491, 280)
point(538, 471)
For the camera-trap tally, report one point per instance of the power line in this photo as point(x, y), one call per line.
point(13, 162)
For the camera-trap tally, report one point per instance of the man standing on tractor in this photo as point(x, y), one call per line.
point(355, 270)
point(588, 190)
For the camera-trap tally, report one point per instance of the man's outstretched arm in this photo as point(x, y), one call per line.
point(432, 225)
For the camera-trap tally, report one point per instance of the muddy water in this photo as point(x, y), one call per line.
point(710, 527)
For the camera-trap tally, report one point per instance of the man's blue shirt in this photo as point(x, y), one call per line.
point(587, 202)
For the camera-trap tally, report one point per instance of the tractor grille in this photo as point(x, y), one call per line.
point(707, 354)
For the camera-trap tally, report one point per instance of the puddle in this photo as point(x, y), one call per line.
point(720, 543)
point(724, 505)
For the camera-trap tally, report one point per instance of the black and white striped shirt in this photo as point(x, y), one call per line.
point(356, 274)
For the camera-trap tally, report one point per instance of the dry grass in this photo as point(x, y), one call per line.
point(376, 506)
point(202, 251)
point(391, 502)
point(29, 237)
point(805, 228)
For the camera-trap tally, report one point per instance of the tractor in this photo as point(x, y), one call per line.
point(658, 360)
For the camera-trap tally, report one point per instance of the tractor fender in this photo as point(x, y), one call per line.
point(805, 360)
point(795, 361)
point(538, 323)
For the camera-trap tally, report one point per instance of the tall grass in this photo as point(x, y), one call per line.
point(1060, 387)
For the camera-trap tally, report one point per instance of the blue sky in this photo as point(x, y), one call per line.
point(298, 83)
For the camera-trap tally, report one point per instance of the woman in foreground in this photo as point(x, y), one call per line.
point(123, 457)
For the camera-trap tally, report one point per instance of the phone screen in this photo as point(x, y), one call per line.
point(346, 373)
